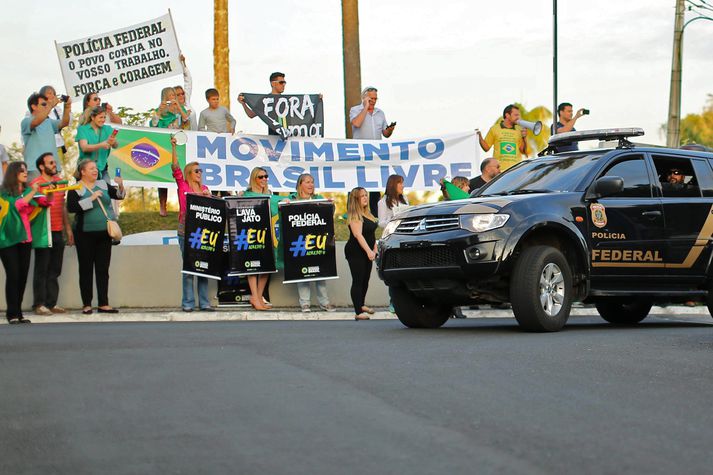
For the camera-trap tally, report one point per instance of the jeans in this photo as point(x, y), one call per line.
point(303, 289)
point(48, 267)
point(188, 299)
point(94, 256)
point(16, 260)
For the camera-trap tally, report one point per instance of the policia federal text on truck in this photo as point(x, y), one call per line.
point(623, 227)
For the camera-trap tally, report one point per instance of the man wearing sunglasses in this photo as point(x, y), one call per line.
point(277, 84)
point(38, 131)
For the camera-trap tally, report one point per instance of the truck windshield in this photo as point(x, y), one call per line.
point(542, 175)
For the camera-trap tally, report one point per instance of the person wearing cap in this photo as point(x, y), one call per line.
point(369, 123)
point(508, 138)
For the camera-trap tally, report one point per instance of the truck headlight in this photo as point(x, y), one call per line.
point(390, 228)
point(479, 223)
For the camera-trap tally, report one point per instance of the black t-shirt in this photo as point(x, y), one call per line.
point(476, 183)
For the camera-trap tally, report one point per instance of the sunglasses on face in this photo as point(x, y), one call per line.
point(197, 170)
point(281, 82)
point(261, 177)
point(675, 172)
point(180, 93)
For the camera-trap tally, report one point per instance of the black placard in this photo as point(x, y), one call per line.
point(251, 246)
point(205, 228)
point(308, 240)
point(289, 115)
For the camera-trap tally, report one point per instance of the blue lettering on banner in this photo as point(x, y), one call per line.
point(273, 154)
point(381, 150)
point(295, 151)
point(460, 169)
point(361, 178)
point(432, 174)
point(237, 176)
point(329, 180)
point(385, 172)
point(291, 175)
point(247, 153)
point(206, 148)
point(348, 152)
point(211, 174)
point(313, 151)
point(438, 151)
point(403, 146)
point(314, 171)
point(409, 176)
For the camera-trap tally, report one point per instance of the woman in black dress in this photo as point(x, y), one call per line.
point(360, 249)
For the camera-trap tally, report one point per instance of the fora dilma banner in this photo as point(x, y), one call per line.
point(144, 155)
point(121, 58)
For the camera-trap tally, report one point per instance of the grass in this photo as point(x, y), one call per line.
point(133, 222)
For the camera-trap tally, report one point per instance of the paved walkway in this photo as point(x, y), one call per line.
point(244, 314)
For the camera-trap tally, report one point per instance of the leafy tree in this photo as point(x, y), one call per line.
point(698, 128)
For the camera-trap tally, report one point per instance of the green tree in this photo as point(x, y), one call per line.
point(698, 128)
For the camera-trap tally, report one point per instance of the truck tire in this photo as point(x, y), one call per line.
point(415, 313)
point(541, 289)
point(621, 311)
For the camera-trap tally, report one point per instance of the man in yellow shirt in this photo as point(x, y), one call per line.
point(508, 137)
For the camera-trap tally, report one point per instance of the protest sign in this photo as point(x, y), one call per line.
point(205, 228)
point(233, 291)
point(335, 164)
point(308, 240)
point(249, 228)
point(121, 58)
point(289, 115)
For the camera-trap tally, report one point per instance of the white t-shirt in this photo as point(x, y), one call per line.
point(4, 158)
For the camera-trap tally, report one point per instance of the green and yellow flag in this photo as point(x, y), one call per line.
point(12, 231)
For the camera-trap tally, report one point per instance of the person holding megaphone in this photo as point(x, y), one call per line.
point(509, 138)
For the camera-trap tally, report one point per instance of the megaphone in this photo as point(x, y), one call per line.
point(536, 127)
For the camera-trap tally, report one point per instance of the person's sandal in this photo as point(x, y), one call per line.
point(361, 316)
point(24, 320)
point(13, 320)
point(368, 310)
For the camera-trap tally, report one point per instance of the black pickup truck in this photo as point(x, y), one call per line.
point(622, 227)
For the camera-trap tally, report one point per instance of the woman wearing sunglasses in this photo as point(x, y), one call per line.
point(190, 180)
point(258, 186)
point(17, 201)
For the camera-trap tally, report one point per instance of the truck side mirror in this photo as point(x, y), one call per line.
point(605, 186)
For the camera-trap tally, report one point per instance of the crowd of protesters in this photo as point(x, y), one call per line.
point(34, 184)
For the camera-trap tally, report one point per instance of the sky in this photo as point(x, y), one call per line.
point(440, 67)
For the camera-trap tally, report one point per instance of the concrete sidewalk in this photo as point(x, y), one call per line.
point(700, 313)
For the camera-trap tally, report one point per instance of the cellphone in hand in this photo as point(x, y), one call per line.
point(118, 172)
point(114, 132)
point(392, 124)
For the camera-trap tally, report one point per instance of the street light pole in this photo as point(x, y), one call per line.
point(673, 127)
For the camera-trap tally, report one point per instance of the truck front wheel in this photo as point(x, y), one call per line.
point(416, 313)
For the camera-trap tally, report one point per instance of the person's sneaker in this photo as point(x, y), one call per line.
point(328, 308)
point(306, 309)
point(57, 309)
point(391, 308)
point(42, 310)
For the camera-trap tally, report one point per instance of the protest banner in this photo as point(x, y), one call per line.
point(205, 229)
point(308, 240)
point(335, 164)
point(289, 115)
point(121, 58)
point(250, 231)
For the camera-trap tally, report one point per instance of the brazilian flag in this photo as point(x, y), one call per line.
point(144, 154)
point(455, 193)
point(12, 231)
point(41, 227)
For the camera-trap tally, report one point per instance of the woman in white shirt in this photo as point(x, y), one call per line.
point(393, 198)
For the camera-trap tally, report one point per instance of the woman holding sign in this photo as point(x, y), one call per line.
point(168, 115)
point(189, 181)
point(305, 191)
point(258, 282)
point(360, 249)
point(96, 139)
point(92, 207)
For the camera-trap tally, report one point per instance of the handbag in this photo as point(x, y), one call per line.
point(112, 227)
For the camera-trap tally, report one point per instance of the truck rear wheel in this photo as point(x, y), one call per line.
point(541, 289)
point(620, 311)
point(416, 313)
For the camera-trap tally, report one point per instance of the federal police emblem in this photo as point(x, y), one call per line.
point(599, 215)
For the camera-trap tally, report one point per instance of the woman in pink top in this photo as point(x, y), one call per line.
point(17, 201)
point(189, 181)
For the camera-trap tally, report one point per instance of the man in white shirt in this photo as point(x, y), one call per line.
point(369, 123)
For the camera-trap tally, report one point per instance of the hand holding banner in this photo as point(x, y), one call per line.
point(289, 115)
point(205, 227)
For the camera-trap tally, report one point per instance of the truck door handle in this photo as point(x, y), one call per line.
point(651, 214)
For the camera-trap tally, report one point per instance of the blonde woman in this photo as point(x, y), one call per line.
point(305, 191)
point(360, 249)
point(258, 186)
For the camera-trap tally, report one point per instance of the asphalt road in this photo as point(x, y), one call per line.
point(477, 396)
